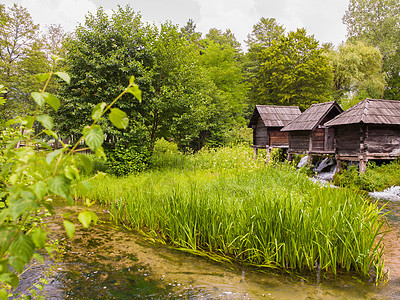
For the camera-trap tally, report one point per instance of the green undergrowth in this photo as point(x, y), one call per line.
point(376, 178)
point(232, 207)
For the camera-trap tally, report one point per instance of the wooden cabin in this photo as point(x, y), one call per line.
point(307, 133)
point(267, 122)
point(370, 130)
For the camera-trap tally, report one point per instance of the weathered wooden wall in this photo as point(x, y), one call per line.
point(278, 138)
point(318, 139)
point(348, 140)
point(382, 139)
point(260, 134)
point(299, 141)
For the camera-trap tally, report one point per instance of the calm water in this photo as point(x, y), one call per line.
point(107, 262)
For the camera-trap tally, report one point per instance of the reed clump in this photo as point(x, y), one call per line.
point(242, 210)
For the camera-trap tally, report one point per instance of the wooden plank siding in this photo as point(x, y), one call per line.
point(260, 134)
point(299, 141)
point(318, 139)
point(277, 138)
point(382, 139)
point(348, 140)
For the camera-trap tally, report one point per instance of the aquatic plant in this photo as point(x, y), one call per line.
point(241, 210)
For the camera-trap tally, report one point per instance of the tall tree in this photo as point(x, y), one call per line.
point(357, 71)
point(376, 22)
point(21, 57)
point(262, 36)
point(224, 38)
point(264, 33)
point(294, 72)
point(176, 91)
point(101, 56)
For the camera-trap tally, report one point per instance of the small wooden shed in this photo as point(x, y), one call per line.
point(267, 121)
point(308, 135)
point(370, 130)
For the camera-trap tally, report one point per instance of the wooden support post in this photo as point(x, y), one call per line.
point(310, 159)
point(255, 153)
point(268, 149)
point(289, 157)
point(339, 164)
point(363, 165)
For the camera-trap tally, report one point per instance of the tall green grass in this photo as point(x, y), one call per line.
point(239, 209)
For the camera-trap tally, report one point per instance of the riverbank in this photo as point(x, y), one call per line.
point(238, 210)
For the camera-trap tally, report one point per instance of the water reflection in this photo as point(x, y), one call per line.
point(107, 262)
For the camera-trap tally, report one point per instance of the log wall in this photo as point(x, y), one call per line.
point(299, 141)
point(347, 139)
point(278, 138)
point(382, 139)
point(260, 134)
point(318, 139)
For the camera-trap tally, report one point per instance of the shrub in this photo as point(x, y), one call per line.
point(375, 178)
point(166, 155)
point(125, 160)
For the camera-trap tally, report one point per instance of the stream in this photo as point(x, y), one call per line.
point(109, 262)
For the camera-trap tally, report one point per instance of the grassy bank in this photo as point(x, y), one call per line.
point(376, 178)
point(228, 206)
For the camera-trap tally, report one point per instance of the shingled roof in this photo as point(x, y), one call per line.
point(312, 117)
point(274, 116)
point(370, 111)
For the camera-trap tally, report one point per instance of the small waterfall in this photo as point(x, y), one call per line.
point(325, 163)
point(302, 162)
point(391, 194)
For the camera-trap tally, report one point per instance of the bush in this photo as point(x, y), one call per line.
point(98, 164)
point(126, 160)
point(376, 178)
point(166, 155)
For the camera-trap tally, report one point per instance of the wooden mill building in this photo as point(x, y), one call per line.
point(370, 130)
point(267, 122)
point(307, 133)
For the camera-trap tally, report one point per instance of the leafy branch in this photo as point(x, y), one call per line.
point(27, 189)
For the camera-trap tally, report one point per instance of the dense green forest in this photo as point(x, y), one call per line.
point(198, 89)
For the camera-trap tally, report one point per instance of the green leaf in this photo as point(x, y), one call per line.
point(52, 100)
point(52, 155)
point(84, 187)
point(44, 145)
point(38, 257)
point(3, 266)
point(69, 228)
point(93, 136)
point(64, 76)
point(21, 251)
point(71, 172)
point(51, 133)
point(86, 217)
point(42, 77)
point(40, 189)
point(119, 118)
point(100, 153)
point(97, 111)
point(46, 121)
point(61, 186)
point(26, 202)
point(87, 163)
point(39, 237)
point(135, 91)
point(38, 97)
point(9, 278)
point(132, 80)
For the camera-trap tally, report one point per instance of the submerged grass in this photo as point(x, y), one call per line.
point(264, 216)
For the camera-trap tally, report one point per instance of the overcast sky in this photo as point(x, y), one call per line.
point(322, 18)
